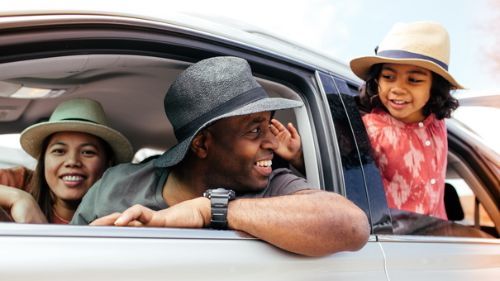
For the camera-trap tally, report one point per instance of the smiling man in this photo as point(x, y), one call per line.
point(219, 175)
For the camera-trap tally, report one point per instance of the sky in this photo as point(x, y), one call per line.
point(343, 29)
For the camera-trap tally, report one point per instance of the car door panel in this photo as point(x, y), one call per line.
point(112, 253)
point(440, 258)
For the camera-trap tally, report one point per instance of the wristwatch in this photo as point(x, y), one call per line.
point(219, 199)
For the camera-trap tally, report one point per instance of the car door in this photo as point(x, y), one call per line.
point(53, 252)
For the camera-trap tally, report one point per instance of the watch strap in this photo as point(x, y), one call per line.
point(219, 201)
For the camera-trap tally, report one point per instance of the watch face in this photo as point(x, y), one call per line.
point(219, 192)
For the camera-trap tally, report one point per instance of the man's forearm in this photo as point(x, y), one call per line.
point(312, 223)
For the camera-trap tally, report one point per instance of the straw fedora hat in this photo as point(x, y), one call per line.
point(424, 44)
point(210, 90)
point(77, 115)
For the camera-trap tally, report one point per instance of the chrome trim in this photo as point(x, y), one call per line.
point(47, 230)
point(372, 238)
point(436, 239)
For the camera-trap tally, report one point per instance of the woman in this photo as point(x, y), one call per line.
point(73, 149)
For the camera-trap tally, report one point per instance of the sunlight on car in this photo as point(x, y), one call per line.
point(479, 120)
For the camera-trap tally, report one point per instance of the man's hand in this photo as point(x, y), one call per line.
point(23, 207)
point(289, 144)
point(193, 213)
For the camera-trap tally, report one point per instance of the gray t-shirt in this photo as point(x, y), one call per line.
point(128, 184)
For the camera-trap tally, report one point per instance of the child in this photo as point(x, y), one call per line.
point(407, 90)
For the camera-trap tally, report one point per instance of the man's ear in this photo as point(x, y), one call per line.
point(199, 144)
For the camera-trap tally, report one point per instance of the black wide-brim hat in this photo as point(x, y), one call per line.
point(210, 90)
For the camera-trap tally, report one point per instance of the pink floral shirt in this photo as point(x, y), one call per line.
point(412, 161)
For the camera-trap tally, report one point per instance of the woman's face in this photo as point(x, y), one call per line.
point(73, 162)
point(404, 90)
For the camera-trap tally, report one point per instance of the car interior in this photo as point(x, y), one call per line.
point(131, 89)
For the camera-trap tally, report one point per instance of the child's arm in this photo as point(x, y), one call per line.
point(289, 145)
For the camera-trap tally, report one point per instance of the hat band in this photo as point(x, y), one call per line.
point(398, 54)
point(79, 119)
point(236, 102)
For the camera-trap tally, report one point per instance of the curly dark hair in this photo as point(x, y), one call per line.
point(441, 103)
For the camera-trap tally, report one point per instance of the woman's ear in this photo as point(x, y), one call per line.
point(199, 144)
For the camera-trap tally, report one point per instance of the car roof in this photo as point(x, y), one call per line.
point(95, 76)
point(219, 27)
point(471, 97)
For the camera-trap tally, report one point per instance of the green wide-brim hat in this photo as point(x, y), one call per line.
point(77, 115)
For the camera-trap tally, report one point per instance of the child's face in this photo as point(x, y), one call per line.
point(404, 90)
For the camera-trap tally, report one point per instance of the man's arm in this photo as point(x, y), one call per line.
point(309, 222)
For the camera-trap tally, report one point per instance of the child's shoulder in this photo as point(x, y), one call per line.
point(377, 117)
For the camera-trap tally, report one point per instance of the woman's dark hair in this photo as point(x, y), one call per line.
point(38, 186)
point(441, 103)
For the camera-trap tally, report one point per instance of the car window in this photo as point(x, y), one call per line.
point(362, 181)
point(470, 205)
point(11, 153)
point(145, 153)
point(475, 119)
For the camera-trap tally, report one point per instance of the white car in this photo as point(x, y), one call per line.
point(127, 63)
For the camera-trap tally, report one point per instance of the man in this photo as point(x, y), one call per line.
point(221, 118)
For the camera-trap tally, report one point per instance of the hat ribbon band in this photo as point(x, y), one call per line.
point(398, 54)
point(78, 119)
point(243, 99)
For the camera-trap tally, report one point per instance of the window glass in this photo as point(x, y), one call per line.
point(474, 118)
point(467, 200)
point(144, 153)
point(11, 153)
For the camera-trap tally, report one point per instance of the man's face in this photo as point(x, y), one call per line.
point(240, 151)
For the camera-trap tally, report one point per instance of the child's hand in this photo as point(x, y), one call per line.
point(289, 144)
